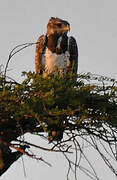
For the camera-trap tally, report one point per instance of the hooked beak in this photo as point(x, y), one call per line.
point(67, 28)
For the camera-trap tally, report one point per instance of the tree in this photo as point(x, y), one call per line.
point(61, 109)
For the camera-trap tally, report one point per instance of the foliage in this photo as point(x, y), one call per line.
point(58, 100)
point(56, 105)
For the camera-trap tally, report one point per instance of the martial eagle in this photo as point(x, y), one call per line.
point(56, 49)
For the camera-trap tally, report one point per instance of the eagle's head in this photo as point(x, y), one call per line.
point(57, 26)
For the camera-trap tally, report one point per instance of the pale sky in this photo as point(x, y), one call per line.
point(93, 24)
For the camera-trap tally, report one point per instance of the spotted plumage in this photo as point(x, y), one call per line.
point(56, 49)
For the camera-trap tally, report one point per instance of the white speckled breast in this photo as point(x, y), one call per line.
point(51, 60)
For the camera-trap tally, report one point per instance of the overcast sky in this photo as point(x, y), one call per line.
point(93, 24)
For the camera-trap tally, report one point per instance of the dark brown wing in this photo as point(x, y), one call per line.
point(38, 53)
point(73, 51)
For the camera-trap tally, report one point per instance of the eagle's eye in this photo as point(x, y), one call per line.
point(59, 25)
